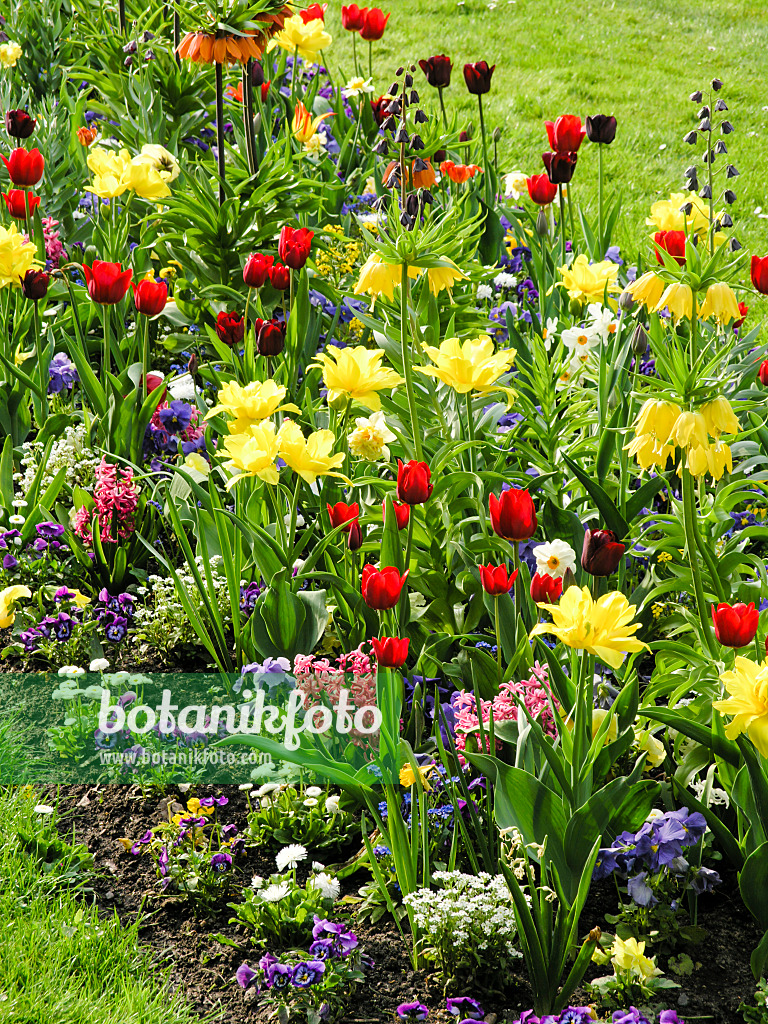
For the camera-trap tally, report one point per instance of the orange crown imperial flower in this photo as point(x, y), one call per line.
point(206, 47)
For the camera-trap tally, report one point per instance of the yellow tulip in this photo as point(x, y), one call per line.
point(603, 627)
point(9, 54)
point(720, 417)
point(145, 181)
point(16, 256)
point(303, 126)
point(109, 170)
point(7, 599)
point(311, 457)
point(197, 464)
point(158, 157)
point(585, 280)
point(678, 299)
point(668, 215)
point(306, 40)
point(721, 303)
point(356, 374)
point(747, 686)
point(250, 404)
point(471, 366)
point(253, 453)
point(647, 289)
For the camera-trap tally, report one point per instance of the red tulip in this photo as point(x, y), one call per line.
point(672, 242)
point(353, 17)
point(540, 189)
point(294, 245)
point(279, 277)
point(354, 536)
point(374, 23)
point(762, 373)
point(438, 70)
point(496, 580)
point(759, 270)
point(545, 589)
point(381, 589)
point(313, 12)
point(560, 166)
point(270, 337)
point(20, 203)
point(107, 283)
point(414, 482)
point(34, 284)
point(265, 90)
point(402, 513)
point(743, 309)
point(150, 297)
point(565, 133)
point(390, 651)
point(256, 269)
point(25, 167)
point(342, 513)
point(19, 124)
point(478, 77)
point(601, 553)
point(154, 381)
point(735, 625)
point(513, 515)
point(230, 327)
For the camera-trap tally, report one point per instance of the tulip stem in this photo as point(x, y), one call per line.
point(294, 511)
point(692, 546)
point(562, 223)
point(600, 240)
point(43, 382)
point(442, 106)
point(406, 357)
point(486, 176)
point(220, 132)
point(144, 359)
point(107, 362)
point(370, 58)
point(354, 53)
point(498, 638)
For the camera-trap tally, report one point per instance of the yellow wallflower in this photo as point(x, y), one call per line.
point(370, 437)
point(9, 54)
point(253, 453)
point(678, 298)
point(7, 599)
point(303, 126)
point(585, 280)
point(628, 955)
point(251, 404)
point(603, 627)
point(307, 39)
point(310, 457)
point(16, 256)
point(356, 373)
point(721, 303)
point(647, 289)
point(109, 172)
point(747, 685)
point(720, 417)
point(468, 366)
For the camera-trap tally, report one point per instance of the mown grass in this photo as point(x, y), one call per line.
point(636, 59)
point(59, 962)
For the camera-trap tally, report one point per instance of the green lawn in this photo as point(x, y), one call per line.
point(636, 59)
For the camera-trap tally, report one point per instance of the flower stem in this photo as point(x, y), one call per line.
point(600, 240)
point(442, 107)
point(692, 548)
point(485, 150)
point(220, 131)
point(498, 638)
point(406, 357)
point(562, 223)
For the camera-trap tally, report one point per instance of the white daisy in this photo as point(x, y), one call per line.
point(290, 856)
point(554, 558)
point(328, 886)
point(332, 804)
point(484, 291)
point(275, 893)
point(313, 791)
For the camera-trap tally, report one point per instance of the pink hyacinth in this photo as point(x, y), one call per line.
point(354, 672)
point(116, 498)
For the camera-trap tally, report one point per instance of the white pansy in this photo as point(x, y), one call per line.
point(554, 558)
point(515, 185)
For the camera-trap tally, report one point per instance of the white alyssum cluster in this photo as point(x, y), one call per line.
point(473, 914)
point(70, 452)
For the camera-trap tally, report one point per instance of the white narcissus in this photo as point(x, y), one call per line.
point(554, 558)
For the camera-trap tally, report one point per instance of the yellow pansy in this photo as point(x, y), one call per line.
point(720, 417)
point(603, 627)
point(357, 374)
point(370, 437)
point(109, 170)
point(304, 126)
point(9, 54)
point(468, 366)
point(305, 39)
point(253, 453)
point(720, 302)
point(16, 256)
point(251, 404)
point(629, 955)
point(647, 289)
point(7, 599)
point(585, 280)
point(747, 686)
point(310, 457)
point(678, 299)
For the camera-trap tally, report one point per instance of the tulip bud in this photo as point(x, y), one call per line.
point(193, 364)
point(575, 306)
point(35, 284)
point(257, 74)
point(613, 399)
point(639, 341)
point(355, 536)
point(762, 373)
point(601, 553)
point(19, 124)
point(601, 129)
point(542, 224)
point(626, 302)
point(569, 580)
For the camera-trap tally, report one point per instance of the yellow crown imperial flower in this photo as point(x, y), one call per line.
point(468, 366)
point(379, 278)
point(444, 277)
point(357, 374)
point(678, 299)
point(647, 289)
point(721, 303)
point(306, 40)
point(747, 686)
point(690, 431)
point(310, 457)
point(653, 428)
point(251, 404)
point(253, 453)
point(720, 417)
point(603, 627)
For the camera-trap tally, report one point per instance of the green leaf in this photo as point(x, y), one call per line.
point(612, 518)
point(753, 884)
